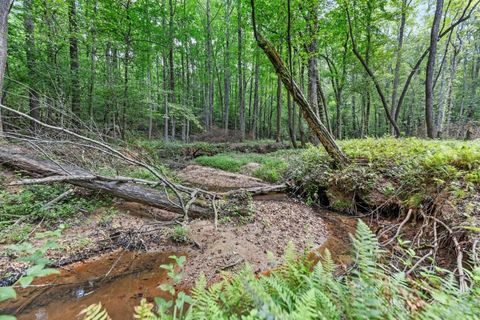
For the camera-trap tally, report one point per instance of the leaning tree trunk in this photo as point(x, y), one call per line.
point(313, 121)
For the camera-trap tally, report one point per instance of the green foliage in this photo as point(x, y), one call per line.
point(30, 205)
point(35, 258)
point(272, 166)
point(95, 312)
point(371, 289)
point(179, 234)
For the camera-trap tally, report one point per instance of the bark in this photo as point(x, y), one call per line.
point(241, 94)
point(313, 121)
point(93, 54)
point(431, 130)
point(20, 160)
point(254, 128)
point(74, 65)
point(210, 81)
point(4, 11)
point(31, 60)
point(227, 67)
point(278, 135)
point(398, 62)
point(323, 104)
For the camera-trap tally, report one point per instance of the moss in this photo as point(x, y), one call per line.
point(406, 172)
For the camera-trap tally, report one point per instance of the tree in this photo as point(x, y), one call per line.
point(429, 74)
point(31, 60)
point(74, 65)
point(4, 11)
point(309, 114)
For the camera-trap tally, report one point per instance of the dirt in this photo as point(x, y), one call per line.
point(217, 180)
point(275, 221)
point(119, 280)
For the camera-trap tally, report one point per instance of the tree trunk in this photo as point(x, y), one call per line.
point(278, 134)
point(31, 60)
point(4, 10)
point(308, 113)
point(226, 77)
point(430, 71)
point(74, 65)
point(210, 81)
point(398, 62)
point(93, 54)
point(253, 129)
point(126, 190)
point(241, 93)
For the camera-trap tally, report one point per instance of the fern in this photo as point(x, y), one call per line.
point(299, 290)
point(144, 311)
point(95, 312)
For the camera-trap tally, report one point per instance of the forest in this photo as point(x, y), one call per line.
point(247, 159)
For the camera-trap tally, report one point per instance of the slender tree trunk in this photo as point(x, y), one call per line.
point(74, 65)
point(430, 71)
point(171, 63)
point(398, 62)
point(227, 67)
point(210, 81)
point(93, 54)
point(241, 93)
point(451, 79)
point(31, 61)
point(255, 97)
point(278, 135)
point(4, 10)
point(150, 99)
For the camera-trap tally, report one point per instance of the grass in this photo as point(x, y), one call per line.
point(271, 169)
point(21, 209)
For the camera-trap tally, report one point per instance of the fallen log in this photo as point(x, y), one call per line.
point(18, 159)
point(48, 171)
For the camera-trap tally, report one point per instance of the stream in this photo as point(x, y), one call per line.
point(120, 279)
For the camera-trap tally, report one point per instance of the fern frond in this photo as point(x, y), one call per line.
point(144, 311)
point(95, 312)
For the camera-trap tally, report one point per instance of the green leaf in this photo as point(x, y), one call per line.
point(25, 281)
point(41, 271)
point(7, 317)
point(7, 293)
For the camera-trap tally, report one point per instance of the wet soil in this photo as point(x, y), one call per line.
point(120, 278)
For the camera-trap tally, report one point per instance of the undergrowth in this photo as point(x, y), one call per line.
point(370, 289)
point(271, 167)
point(410, 173)
point(18, 210)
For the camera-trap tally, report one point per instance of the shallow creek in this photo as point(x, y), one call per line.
point(120, 279)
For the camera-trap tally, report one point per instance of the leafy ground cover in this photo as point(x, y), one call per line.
point(271, 167)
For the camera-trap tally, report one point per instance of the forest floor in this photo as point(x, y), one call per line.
point(101, 240)
point(432, 185)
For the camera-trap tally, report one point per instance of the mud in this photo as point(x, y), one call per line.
point(119, 280)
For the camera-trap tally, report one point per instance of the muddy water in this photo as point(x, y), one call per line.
point(118, 280)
